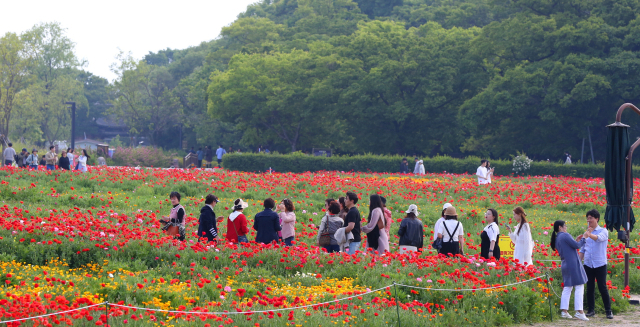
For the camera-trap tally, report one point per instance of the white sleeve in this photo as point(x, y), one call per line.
point(491, 233)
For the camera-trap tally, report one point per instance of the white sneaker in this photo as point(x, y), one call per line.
point(581, 316)
point(565, 314)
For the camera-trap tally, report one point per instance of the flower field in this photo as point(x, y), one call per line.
point(73, 240)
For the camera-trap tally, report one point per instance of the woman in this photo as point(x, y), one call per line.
point(64, 163)
point(208, 223)
point(489, 247)
point(329, 225)
point(419, 169)
point(32, 159)
point(82, 161)
point(72, 158)
point(521, 237)
point(237, 229)
point(573, 274)
point(266, 223)
point(438, 224)
point(287, 221)
point(175, 224)
point(451, 233)
point(489, 172)
point(387, 217)
point(343, 208)
point(377, 239)
point(410, 231)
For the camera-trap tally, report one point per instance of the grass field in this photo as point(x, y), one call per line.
point(69, 240)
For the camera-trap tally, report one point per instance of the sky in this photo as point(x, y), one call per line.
point(100, 29)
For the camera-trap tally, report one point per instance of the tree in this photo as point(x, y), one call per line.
point(15, 60)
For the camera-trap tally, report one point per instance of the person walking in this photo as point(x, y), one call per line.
point(352, 222)
point(410, 231)
point(521, 238)
point(9, 155)
point(419, 168)
point(482, 173)
point(208, 223)
point(51, 158)
point(219, 153)
point(208, 155)
point(22, 158)
point(377, 239)
point(452, 233)
point(237, 223)
point(594, 253)
point(329, 225)
point(287, 221)
point(573, 274)
point(200, 154)
point(175, 223)
point(82, 162)
point(489, 245)
point(404, 166)
point(32, 159)
point(63, 162)
point(438, 224)
point(266, 223)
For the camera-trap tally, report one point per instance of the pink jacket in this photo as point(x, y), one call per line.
point(288, 224)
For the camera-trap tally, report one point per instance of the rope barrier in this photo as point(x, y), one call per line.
point(51, 314)
point(617, 259)
point(470, 289)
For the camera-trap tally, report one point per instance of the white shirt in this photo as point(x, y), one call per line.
point(482, 172)
point(492, 231)
point(71, 156)
point(451, 225)
point(523, 244)
point(436, 228)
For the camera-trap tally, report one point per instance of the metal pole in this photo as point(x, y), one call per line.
point(106, 309)
point(629, 192)
point(395, 291)
point(582, 153)
point(593, 160)
point(549, 295)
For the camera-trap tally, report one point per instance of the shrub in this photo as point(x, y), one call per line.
point(144, 157)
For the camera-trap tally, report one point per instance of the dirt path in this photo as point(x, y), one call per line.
point(630, 318)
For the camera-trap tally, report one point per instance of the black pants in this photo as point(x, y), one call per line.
point(599, 274)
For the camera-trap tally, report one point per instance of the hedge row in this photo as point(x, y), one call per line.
point(298, 163)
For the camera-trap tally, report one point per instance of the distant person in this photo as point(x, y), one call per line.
point(352, 222)
point(573, 274)
point(489, 172)
point(51, 158)
point(175, 223)
point(208, 155)
point(452, 233)
point(193, 150)
point(482, 173)
point(287, 221)
point(267, 151)
point(237, 229)
point(521, 237)
point(72, 158)
point(377, 239)
point(567, 158)
point(410, 231)
point(82, 162)
point(266, 223)
point(329, 224)
point(419, 168)
point(438, 224)
point(219, 153)
point(208, 227)
point(32, 159)
point(9, 155)
point(22, 158)
point(489, 245)
point(404, 166)
point(200, 154)
point(63, 162)
point(594, 253)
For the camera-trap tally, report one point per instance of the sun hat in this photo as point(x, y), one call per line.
point(238, 203)
point(413, 208)
point(446, 205)
point(450, 211)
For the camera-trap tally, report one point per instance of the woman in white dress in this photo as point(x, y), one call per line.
point(82, 161)
point(521, 237)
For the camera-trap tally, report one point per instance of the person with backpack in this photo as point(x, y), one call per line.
point(452, 233)
point(329, 225)
point(32, 159)
point(237, 229)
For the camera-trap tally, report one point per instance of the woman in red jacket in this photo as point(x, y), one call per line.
point(237, 223)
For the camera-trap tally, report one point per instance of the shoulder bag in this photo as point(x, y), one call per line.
point(325, 235)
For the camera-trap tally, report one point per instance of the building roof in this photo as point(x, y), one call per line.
point(90, 141)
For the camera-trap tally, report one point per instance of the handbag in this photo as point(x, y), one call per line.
point(437, 244)
point(325, 235)
point(173, 230)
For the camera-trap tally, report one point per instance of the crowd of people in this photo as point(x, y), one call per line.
point(67, 160)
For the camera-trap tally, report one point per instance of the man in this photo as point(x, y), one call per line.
point(208, 223)
point(219, 153)
point(594, 253)
point(9, 155)
point(193, 150)
point(22, 158)
point(482, 173)
point(352, 221)
point(267, 223)
point(404, 166)
point(50, 158)
point(200, 154)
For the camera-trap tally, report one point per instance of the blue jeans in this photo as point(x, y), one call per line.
point(34, 167)
point(288, 240)
point(331, 248)
point(353, 246)
point(51, 167)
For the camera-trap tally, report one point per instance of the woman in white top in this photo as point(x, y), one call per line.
point(82, 161)
point(451, 233)
point(489, 247)
point(419, 169)
point(436, 227)
point(521, 237)
point(489, 172)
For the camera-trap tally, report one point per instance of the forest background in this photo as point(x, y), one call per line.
point(424, 77)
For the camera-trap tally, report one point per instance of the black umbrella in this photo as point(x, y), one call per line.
point(615, 178)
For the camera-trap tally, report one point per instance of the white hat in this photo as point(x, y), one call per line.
point(413, 208)
point(241, 204)
point(446, 205)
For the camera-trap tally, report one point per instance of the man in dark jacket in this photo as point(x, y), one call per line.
point(267, 223)
point(21, 158)
point(404, 166)
point(208, 228)
point(208, 155)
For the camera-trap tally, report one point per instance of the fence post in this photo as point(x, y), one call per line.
point(395, 291)
point(106, 310)
point(549, 295)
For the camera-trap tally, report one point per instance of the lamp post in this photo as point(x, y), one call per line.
point(73, 123)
